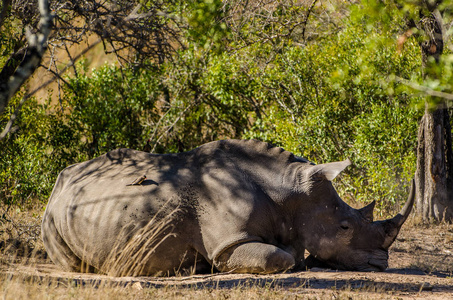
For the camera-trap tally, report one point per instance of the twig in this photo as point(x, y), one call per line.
point(305, 21)
point(425, 89)
point(13, 118)
point(172, 125)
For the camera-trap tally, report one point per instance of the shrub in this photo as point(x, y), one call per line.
point(334, 100)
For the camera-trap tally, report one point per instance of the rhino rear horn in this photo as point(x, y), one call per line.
point(392, 226)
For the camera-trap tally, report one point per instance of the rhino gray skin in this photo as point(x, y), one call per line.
point(241, 206)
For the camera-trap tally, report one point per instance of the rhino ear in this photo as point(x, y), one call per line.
point(330, 170)
point(367, 211)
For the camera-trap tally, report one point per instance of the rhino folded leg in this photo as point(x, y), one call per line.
point(254, 257)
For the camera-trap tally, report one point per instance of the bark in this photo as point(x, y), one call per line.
point(434, 167)
point(10, 67)
point(434, 175)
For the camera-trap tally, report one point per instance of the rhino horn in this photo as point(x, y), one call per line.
point(392, 226)
point(367, 211)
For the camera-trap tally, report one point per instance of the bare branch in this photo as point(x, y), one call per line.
point(62, 71)
point(9, 125)
point(128, 27)
point(264, 21)
point(305, 21)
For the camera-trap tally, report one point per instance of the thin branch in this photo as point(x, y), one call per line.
point(71, 59)
point(59, 74)
point(181, 114)
point(13, 118)
point(305, 21)
point(425, 89)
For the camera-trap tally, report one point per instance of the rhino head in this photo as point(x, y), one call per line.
point(337, 235)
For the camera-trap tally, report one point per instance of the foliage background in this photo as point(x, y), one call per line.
point(321, 89)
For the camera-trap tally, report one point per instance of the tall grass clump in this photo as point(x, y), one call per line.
point(130, 258)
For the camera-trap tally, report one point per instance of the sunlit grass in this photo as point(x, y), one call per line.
point(21, 287)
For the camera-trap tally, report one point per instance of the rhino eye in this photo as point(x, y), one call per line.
point(344, 225)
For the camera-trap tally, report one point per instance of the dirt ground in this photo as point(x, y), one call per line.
point(420, 267)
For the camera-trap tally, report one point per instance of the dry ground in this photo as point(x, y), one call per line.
point(421, 267)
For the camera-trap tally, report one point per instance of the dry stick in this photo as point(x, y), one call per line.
point(57, 76)
point(172, 125)
point(305, 21)
point(58, 82)
point(72, 60)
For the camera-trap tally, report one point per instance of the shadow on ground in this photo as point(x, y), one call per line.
point(394, 280)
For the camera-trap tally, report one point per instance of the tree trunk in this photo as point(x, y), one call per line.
point(434, 175)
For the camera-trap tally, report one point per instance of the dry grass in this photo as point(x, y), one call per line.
point(20, 234)
point(130, 259)
point(421, 266)
point(23, 287)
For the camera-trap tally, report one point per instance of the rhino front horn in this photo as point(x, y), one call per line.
point(392, 226)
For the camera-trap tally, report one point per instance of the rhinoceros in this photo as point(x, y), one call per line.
point(232, 205)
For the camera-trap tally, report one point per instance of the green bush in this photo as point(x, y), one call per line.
point(328, 99)
point(211, 98)
point(30, 159)
point(99, 113)
point(334, 100)
point(107, 109)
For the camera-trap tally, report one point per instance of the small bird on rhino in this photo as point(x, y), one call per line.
point(138, 181)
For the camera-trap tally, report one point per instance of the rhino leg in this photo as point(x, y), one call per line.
point(58, 250)
point(254, 257)
point(167, 262)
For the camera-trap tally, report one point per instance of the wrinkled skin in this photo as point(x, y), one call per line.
point(345, 238)
point(233, 205)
